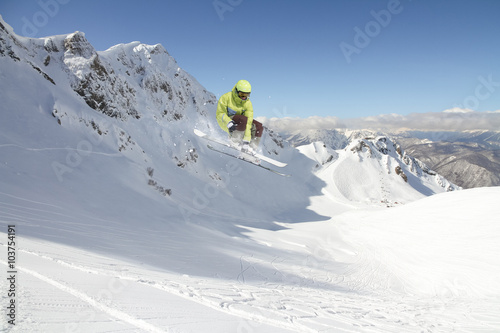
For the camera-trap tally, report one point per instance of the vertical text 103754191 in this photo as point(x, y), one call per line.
point(11, 273)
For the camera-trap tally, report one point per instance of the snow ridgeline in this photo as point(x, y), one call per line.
point(364, 167)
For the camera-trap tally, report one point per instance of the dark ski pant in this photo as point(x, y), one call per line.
point(241, 125)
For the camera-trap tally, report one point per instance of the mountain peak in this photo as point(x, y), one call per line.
point(77, 45)
point(5, 26)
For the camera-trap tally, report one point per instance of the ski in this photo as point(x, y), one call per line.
point(248, 161)
point(259, 156)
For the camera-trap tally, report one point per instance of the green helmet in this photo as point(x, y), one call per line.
point(243, 86)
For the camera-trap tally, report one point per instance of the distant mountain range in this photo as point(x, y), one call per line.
point(466, 158)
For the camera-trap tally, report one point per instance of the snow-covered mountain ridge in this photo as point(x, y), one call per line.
point(116, 82)
point(374, 170)
point(466, 158)
point(385, 157)
point(144, 89)
point(128, 112)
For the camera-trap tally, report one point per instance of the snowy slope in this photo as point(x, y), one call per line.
point(126, 222)
point(374, 170)
point(430, 266)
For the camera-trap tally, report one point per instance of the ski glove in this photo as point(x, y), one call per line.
point(231, 126)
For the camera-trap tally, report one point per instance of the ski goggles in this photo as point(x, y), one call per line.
point(243, 95)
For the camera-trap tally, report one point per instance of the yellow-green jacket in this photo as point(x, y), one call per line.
point(229, 105)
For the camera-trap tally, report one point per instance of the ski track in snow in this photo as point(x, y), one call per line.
point(298, 308)
point(102, 289)
point(98, 305)
point(103, 296)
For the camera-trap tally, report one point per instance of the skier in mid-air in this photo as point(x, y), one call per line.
point(235, 116)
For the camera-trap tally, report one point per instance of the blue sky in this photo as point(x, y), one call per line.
point(343, 58)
